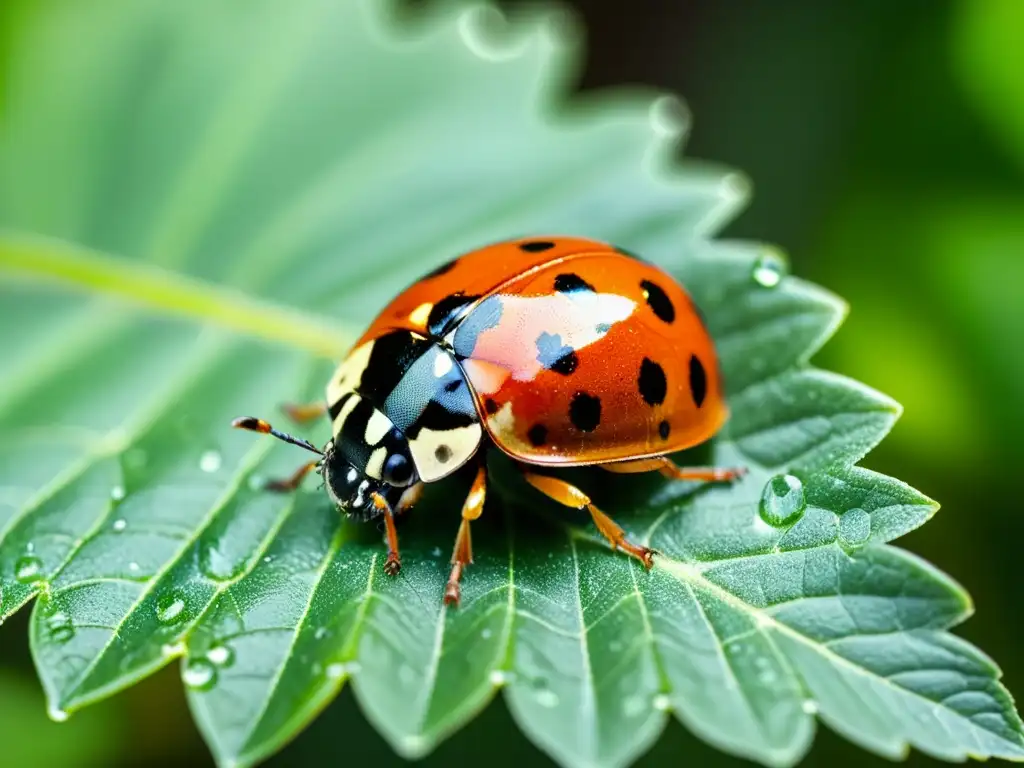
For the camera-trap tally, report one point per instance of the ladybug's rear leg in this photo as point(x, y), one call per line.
point(462, 555)
point(303, 412)
point(571, 496)
point(667, 467)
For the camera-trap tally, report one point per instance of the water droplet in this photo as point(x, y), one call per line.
point(133, 567)
point(662, 703)
point(854, 528)
point(56, 714)
point(221, 655)
point(30, 547)
point(267, 559)
point(173, 649)
point(117, 492)
point(120, 524)
point(499, 677)
point(783, 501)
point(321, 633)
point(810, 707)
point(218, 566)
point(170, 608)
point(59, 627)
point(769, 269)
point(210, 461)
point(486, 634)
point(199, 674)
point(28, 569)
point(435, 552)
point(336, 671)
point(633, 706)
point(547, 698)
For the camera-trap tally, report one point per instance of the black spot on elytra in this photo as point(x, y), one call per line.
point(537, 435)
point(536, 246)
point(448, 266)
point(572, 283)
point(490, 406)
point(442, 453)
point(698, 380)
point(554, 355)
point(446, 312)
point(664, 429)
point(652, 383)
point(658, 301)
point(585, 412)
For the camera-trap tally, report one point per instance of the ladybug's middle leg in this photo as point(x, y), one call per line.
point(462, 555)
point(571, 496)
point(668, 468)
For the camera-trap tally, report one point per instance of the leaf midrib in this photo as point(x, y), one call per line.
point(160, 290)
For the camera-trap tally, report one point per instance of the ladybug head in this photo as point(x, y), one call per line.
point(355, 492)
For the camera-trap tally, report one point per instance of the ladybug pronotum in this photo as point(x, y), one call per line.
point(560, 352)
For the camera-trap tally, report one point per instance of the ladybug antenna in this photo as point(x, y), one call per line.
point(259, 425)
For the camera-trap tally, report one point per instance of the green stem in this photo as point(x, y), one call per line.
point(63, 262)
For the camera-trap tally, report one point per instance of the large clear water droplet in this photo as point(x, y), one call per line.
point(117, 493)
point(59, 627)
point(221, 655)
point(782, 501)
point(28, 569)
point(768, 270)
point(854, 528)
point(210, 461)
point(120, 524)
point(219, 566)
point(170, 608)
point(199, 674)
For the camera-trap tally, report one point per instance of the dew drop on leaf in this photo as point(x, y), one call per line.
point(170, 608)
point(199, 674)
point(59, 627)
point(221, 655)
point(782, 501)
point(768, 270)
point(28, 569)
point(810, 707)
point(56, 714)
point(210, 461)
point(321, 633)
point(499, 677)
point(854, 528)
point(117, 493)
point(662, 703)
point(547, 698)
point(133, 567)
point(120, 524)
point(219, 567)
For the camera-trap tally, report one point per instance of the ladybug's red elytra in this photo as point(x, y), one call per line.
point(560, 352)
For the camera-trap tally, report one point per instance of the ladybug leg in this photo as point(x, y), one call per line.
point(666, 467)
point(571, 496)
point(289, 484)
point(409, 499)
point(303, 412)
point(462, 555)
point(393, 564)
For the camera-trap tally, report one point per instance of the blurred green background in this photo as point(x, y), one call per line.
point(885, 143)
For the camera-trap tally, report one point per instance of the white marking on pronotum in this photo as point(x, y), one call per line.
point(377, 426)
point(442, 365)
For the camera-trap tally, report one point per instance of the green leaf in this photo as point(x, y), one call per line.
point(240, 190)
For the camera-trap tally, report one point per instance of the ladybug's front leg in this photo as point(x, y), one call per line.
point(571, 496)
point(462, 555)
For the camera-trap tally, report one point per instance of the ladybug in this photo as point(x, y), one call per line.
point(560, 352)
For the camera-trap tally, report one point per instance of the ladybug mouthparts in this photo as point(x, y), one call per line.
point(356, 495)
